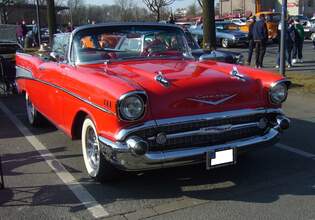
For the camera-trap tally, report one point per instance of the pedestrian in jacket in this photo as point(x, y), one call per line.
point(260, 36)
point(19, 34)
point(299, 41)
point(290, 37)
point(251, 43)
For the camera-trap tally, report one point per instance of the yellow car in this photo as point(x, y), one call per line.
point(272, 20)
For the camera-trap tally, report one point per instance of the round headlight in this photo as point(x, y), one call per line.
point(131, 107)
point(278, 93)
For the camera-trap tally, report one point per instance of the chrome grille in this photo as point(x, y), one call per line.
point(196, 139)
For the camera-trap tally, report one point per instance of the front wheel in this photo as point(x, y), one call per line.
point(34, 117)
point(96, 165)
point(313, 37)
point(225, 43)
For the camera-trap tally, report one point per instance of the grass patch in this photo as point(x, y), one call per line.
point(302, 82)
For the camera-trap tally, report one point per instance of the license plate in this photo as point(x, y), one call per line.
point(220, 158)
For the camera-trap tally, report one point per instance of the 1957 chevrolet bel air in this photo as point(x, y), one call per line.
point(148, 104)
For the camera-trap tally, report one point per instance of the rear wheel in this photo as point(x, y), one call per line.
point(95, 162)
point(225, 43)
point(34, 117)
point(313, 37)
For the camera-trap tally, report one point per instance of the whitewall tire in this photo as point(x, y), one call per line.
point(95, 163)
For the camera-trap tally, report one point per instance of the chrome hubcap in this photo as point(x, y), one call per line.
point(92, 149)
point(30, 109)
point(225, 43)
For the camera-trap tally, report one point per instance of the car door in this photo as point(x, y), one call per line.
point(51, 75)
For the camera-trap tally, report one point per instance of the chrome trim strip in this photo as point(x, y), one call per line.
point(210, 130)
point(122, 134)
point(216, 116)
point(26, 76)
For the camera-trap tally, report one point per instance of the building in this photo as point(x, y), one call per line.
point(246, 7)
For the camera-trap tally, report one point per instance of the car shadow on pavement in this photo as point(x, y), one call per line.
point(12, 162)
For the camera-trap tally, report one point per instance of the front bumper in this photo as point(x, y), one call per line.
point(121, 156)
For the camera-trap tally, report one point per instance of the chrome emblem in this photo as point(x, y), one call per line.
point(235, 74)
point(217, 102)
point(216, 130)
point(162, 79)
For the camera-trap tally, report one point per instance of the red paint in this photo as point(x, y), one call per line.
point(98, 83)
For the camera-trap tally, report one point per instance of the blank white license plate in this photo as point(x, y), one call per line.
point(220, 158)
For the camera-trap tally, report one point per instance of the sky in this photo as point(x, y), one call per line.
point(177, 4)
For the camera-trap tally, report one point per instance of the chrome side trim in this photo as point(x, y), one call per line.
point(27, 74)
point(122, 134)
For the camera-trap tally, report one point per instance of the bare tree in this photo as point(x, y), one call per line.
point(155, 6)
point(125, 9)
point(193, 9)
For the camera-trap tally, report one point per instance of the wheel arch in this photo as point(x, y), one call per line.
point(77, 123)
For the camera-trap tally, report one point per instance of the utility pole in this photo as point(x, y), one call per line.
point(38, 22)
point(283, 33)
point(51, 18)
point(209, 32)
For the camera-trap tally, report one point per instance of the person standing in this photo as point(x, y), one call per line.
point(35, 33)
point(290, 37)
point(299, 41)
point(19, 34)
point(251, 43)
point(260, 37)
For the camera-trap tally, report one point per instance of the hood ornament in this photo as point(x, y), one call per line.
point(162, 79)
point(220, 101)
point(235, 74)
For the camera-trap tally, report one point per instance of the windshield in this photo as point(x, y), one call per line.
point(128, 42)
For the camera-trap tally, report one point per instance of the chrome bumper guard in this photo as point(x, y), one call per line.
point(121, 155)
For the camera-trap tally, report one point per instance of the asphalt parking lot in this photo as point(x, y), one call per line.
point(45, 177)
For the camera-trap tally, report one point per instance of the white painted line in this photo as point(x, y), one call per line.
point(79, 191)
point(296, 151)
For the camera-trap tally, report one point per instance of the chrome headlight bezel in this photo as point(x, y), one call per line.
point(140, 97)
point(278, 92)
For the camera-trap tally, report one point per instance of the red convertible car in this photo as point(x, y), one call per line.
point(145, 102)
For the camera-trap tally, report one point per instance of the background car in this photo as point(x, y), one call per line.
point(227, 34)
point(8, 47)
point(218, 55)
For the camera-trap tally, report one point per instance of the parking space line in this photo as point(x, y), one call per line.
point(96, 209)
point(295, 150)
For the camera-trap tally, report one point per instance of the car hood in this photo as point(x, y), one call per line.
point(195, 87)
